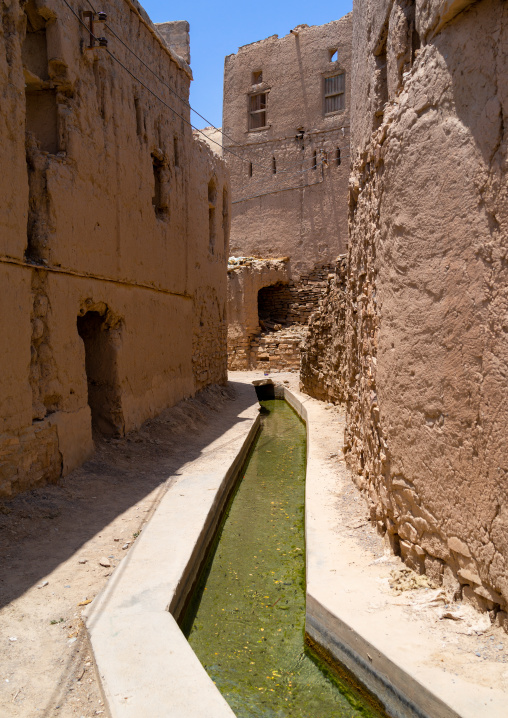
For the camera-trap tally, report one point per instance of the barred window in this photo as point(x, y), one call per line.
point(257, 111)
point(335, 96)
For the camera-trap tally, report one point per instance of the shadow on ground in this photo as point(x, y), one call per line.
point(43, 528)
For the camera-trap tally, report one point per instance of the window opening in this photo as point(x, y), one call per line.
point(41, 118)
point(225, 219)
point(176, 152)
point(257, 111)
point(250, 169)
point(334, 93)
point(158, 187)
point(314, 160)
point(334, 55)
point(35, 52)
point(212, 202)
point(101, 366)
point(257, 77)
point(274, 166)
point(139, 117)
point(337, 157)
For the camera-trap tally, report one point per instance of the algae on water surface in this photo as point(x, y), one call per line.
point(246, 619)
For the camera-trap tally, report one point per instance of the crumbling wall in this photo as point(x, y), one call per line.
point(289, 182)
point(289, 177)
point(426, 318)
point(269, 311)
point(106, 212)
point(246, 277)
point(323, 355)
point(176, 36)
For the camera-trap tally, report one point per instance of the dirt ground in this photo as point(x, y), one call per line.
point(53, 542)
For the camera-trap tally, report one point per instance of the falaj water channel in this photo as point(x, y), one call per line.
point(246, 619)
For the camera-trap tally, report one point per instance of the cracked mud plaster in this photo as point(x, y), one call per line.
point(105, 211)
point(323, 366)
point(427, 334)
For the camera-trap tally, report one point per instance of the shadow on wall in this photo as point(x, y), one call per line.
point(48, 525)
point(471, 49)
point(274, 305)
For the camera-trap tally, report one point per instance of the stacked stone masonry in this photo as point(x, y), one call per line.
point(277, 351)
point(278, 315)
point(114, 236)
point(426, 334)
point(323, 354)
point(289, 182)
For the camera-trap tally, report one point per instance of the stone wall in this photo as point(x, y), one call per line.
point(268, 313)
point(289, 177)
point(323, 372)
point(294, 303)
point(114, 231)
point(246, 276)
point(278, 350)
point(426, 322)
point(289, 186)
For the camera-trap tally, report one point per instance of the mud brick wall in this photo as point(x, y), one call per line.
point(286, 202)
point(277, 351)
point(114, 234)
point(426, 336)
point(323, 372)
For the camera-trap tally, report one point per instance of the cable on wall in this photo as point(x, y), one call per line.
point(209, 139)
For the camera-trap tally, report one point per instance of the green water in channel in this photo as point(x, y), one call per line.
point(246, 619)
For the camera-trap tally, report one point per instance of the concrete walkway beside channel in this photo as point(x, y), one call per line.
point(146, 666)
point(352, 614)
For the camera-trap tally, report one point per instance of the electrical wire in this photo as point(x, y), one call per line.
point(227, 149)
point(310, 133)
point(322, 164)
point(172, 109)
point(258, 181)
point(146, 86)
point(181, 116)
point(324, 161)
point(275, 191)
point(219, 130)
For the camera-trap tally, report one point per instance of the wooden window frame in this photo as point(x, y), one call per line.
point(251, 112)
point(329, 95)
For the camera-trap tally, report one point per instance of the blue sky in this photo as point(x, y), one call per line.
point(218, 29)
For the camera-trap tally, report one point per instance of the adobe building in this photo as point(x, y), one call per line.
point(114, 234)
point(425, 366)
point(286, 144)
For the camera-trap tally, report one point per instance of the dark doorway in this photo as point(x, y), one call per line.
point(101, 354)
point(274, 305)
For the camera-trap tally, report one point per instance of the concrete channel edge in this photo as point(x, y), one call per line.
point(396, 689)
point(145, 664)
